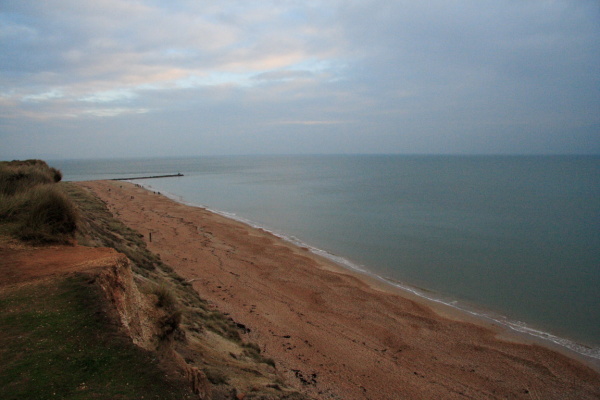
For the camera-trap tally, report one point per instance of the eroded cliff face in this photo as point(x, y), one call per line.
point(146, 321)
point(155, 324)
point(105, 267)
point(116, 301)
point(136, 311)
point(153, 320)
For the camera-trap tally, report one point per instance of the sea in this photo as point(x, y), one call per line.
point(511, 239)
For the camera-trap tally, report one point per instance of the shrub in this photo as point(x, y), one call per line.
point(32, 206)
point(50, 216)
point(56, 174)
point(252, 347)
point(11, 206)
point(165, 297)
point(169, 324)
point(252, 350)
point(171, 321)
point(19, 176)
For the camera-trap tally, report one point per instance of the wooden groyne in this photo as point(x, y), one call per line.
point(147, 177)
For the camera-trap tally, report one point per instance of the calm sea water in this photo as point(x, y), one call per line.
point(515, 237)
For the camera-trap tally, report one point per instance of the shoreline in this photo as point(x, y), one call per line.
point(509, 328)
point(361, 320)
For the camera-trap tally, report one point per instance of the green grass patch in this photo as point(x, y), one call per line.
point(57, 343)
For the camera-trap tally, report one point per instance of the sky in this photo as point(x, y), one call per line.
point(147, 78)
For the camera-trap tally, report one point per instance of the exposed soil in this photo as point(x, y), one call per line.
point(22, 263)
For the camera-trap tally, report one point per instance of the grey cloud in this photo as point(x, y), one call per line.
point(283, 75)
point(485, 63)
point(271, 76)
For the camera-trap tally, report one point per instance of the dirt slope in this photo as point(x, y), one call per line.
point(23, 263)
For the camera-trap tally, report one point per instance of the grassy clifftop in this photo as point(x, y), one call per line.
point(57, 342)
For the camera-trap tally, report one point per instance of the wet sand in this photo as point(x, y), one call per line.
point(336, 334)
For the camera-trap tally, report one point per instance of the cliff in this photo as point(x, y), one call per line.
point(106, 319)
point(130, 307)
point(72, 320)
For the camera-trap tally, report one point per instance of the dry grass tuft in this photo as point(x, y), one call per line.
point(19, 176)
point(165, 297)
point(50, 217)
point(32, 206)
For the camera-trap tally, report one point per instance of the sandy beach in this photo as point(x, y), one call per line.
point(336, 334)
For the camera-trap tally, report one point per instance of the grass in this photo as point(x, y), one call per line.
point(57, 343)
point(20, 176)
point(164, 297)
point(50, 216)
point(215, 376)
point(98, 227)
point(32, 207)
point(252, 350)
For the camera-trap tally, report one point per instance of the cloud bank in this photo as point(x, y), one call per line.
point(114, 78)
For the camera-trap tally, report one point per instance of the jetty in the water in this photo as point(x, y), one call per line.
point(147, 177)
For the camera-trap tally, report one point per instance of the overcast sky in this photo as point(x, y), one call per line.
point(120, 78)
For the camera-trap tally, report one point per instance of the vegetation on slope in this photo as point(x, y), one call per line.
point(20, 176)
point(206, 338)
point(98, 228)
point(32, 206)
